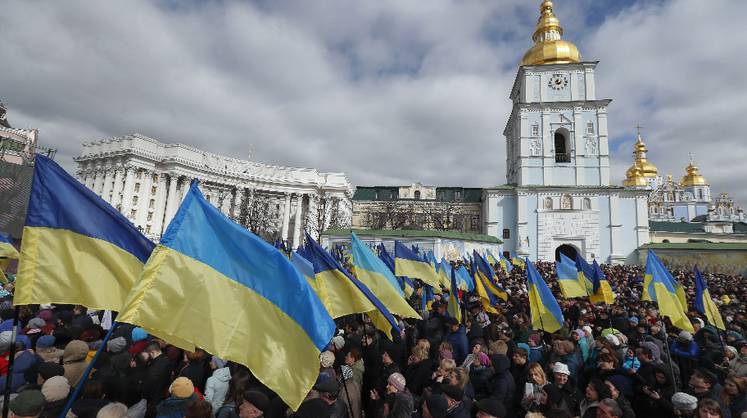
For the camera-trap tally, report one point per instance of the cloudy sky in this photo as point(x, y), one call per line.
point(387, 91)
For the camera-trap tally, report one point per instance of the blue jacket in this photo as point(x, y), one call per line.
point(25, 361)
point(458, 341)
point(631, 363)
point(686, 350)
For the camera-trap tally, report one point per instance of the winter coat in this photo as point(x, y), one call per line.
point(173, 407)
point(25, 360)
point(588, 409)
point(739, 366)
point(197, 372)
point(53, 409)
point(502, 383)
point(402, 406)
point(228, 410)
point(156, 381)
point(460, 411)
point(631, 363)
point(352, 391)
point(583, 345)
point(417, 376)
point(737, 406)
point(73, 360)
point(358, 368)
point(458, 341)
point(685, 350)
point(217, 387)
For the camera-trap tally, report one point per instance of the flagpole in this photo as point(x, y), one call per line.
point(669, 353)
point(11, 358)
point(89, 369)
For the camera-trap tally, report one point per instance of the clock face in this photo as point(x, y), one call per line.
point(557, 82)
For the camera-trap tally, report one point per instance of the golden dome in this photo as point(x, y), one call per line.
point(548, 47)
point(693, 177)
point(642, 169)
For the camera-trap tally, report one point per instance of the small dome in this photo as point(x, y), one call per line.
point(692, 177)
point(548, 47)
point(634, 177)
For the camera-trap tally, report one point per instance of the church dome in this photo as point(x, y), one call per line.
point(692, 177)
point(642, 169)
point(548, 47)
point(634, 177)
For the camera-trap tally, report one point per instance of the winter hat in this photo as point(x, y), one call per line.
point(45, 341)
point(28, 403)
point(561, 368)
point(685, 336)
point(683, 401)
point(46, 315)
point(326, 359)
point(580, 333)
point(633, 320)
point(587, 329)
point(55, 388)
point(698, 321)
point(397, 381)
point(218, 362)
point(5, 338)
point(313, 408)
point(182, 388)
point(733, 350)
point(116, 345)
point(452, 391)
point(139, 334)
point(483, 359)
point(328, 385)
point(655, 351)
point(37, 323)
point(338, 342)
point(437, 405)
point(613, 340)
point(492, 407)
point(48, 370)
point(523, 346)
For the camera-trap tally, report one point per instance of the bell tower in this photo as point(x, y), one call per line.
point(557, 132)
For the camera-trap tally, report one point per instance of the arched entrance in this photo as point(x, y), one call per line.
point(566, 249)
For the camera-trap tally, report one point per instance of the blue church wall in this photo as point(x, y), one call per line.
point(626, 241)
point(531, 225)
point(604, 227)
point(680, 212)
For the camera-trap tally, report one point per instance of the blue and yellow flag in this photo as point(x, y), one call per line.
point(663, 292)
point(370, 270)
point(585, 274)
point(342, 294)
point(517, 261)
point(543, 307)
point(7, 253)
point(407, 263)
point(465, 277)
point(428, 297)
point(602, 290)
point(567, 275)
point(304, 268)
point(505, 263)
point(485, 273)
point(76, 248)
point(454, 307)
point(404, 282)
point(704, 303)
point(212, 284)
point(487, 299)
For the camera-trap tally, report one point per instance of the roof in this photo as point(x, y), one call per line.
point(686, 227)
point(408, 233)
point(388, 193)
point(721, 246)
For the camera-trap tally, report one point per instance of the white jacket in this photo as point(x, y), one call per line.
point(217, 387)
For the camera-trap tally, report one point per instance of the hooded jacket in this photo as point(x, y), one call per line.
point(74, 361)
point(739, 366)
point(503, 385)
point(217, 387)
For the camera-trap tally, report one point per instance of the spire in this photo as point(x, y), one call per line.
point(642, 169)
point(548, 47)
point(692, 175)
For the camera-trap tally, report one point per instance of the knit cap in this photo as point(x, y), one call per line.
point(139, 334)
point(397, 381)
point(55, 388)
point(45, 341)
point(116, 345)
point(338, 342)
point(37, 323)
point(182, 387)
point(5, 338)
point(28, 403)
point(683, 401)
point(326, 359)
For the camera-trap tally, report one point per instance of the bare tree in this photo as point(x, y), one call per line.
point(331, 212)
point(258, 214)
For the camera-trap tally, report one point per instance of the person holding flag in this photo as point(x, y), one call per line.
point(543, 307)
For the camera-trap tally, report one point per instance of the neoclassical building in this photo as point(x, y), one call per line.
point(146, 180)
point(558, 196)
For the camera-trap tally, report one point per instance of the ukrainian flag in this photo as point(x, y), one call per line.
point(585, 274)
point(342, 294)
point(212, 284)
point(404, 282)
point(567, 275)
point(304, 268)
point(465, 277)
point(486, 274)
point(370, 270)
point(454, 308)
point(704, 303)
point(7, 252)
point(407, 263)
point(76, 248)
point(505, 263)
point(663, 292)
point(428, 298)
point(602, 290)
point(517, 261)
point(487, 299)
point(543, 306)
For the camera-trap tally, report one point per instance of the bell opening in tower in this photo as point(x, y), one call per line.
point(561, 148)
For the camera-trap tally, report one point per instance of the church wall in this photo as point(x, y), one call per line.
point(506, 209)
point(626, 239)
point(604, 227)
point(531, 210)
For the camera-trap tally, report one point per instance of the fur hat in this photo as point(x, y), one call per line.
point(561, 368)
point(338, 342)
point(326, 359)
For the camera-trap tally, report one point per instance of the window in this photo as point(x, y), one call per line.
point(153, 190)
point(376, 195)
point(150, 217)
point(590, 128)
point(137, 187)
point(535, 130)
point(475, 223)
point(133, 213)
point(561, 147)
point(417, 194)
point(458, 195)
point(548, 203)
point(506, 233)
point(152, 204)
point(441, 196)
point(139, 174)
point(392, 195)
point(700, 194)
point(587, 203)
point(566, 202)
point(134, 201)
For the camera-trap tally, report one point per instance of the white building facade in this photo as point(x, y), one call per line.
point(146, 181)
point(558, 196)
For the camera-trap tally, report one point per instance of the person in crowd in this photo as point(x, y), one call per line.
point(685, 352)
point(216, 387)
point(354, 360)
point(734, 395)
point(196, 368)
point(113, 410)
point(455, 405)
point(457, 337)
point(181, 393)
point(596, 390)
point(253, 404)
point(74, 361)
point(708, 408)
point(684, 405)
point(28, 404)
point(55, 390)
point(609, 408)
point(490, 408)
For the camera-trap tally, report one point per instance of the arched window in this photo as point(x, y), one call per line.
point(417, 194)
point(562, 146)
point(587, 203)
point(548, 203)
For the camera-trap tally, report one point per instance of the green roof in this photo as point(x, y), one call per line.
point(409, 233)
point(444, 194)
point(723, 246)
point(686, 227)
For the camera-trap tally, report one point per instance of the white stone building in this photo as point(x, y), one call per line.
point(146, 181)
point(558, 196)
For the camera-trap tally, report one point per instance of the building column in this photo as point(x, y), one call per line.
point(237, 200)
point(172, 200)
point(127, 191)
point(160, 209)
point(311, 216)
point(286, 218)
point(118, 185)
point(297, 227)
point(144, 203)
point(226, 199)
point(98, 183)
point(89, 173)
point(107, 189)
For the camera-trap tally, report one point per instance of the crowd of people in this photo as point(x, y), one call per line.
point(622, 361)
